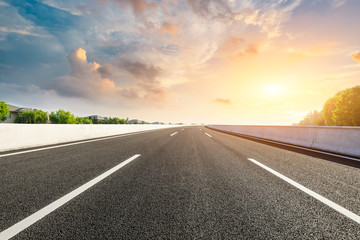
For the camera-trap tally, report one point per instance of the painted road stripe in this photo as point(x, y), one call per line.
point(322, 199)
point(70, 144)
point(173, 134)
point(304, 148)
point(27, 222)
point(208, 135)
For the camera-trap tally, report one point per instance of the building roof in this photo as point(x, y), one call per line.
point(136, 121)
point(17, 109)
point(98, 117)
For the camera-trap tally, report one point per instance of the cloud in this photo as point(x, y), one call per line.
point(356, 56)
point(3, 4)
point(270, 17)
point(106, 71)
point(130, 93)
point(170, 28)
point(141, 70)
point(216, 9)
point(139, 7)
point(232, 44)
point(72, 7)
point(236, 47)
point(84, 79)
point(21, 31)
point(312, 50)
point(147, 85)
point(223, 101)
point(338, 3)
point(90, 80)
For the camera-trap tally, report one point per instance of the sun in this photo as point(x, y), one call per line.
point(273, 89)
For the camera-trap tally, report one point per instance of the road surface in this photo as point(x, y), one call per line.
point(180, 183)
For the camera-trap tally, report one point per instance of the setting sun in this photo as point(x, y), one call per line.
point(273, 90)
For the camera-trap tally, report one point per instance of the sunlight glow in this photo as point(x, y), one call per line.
point(273, 90)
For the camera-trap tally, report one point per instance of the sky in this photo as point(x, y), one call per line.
point(256, 62)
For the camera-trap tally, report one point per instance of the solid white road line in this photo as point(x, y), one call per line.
point(304, 148)
point(208, 135)
point(322, 199)
point(173, 134)
point(25, 223)
point(67, 144)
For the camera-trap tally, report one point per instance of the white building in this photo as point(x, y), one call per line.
point(14, 111)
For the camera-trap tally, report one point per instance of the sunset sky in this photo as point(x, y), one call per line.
point(203, 61)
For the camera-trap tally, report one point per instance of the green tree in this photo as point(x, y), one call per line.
point(320, 121)
point(94, 120)
point(33, 116)
point(83, 120)
point(115, 120)
point(312, 119)
point(62, 117)
point(4, 111)
point(347, 112)
point(327, 112)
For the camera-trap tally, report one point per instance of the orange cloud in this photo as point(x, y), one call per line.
point(106, 85)
point(231, 45)
point(318, 49)
point(236, 47)
point(222, 100)
point(170, 28)
point(138, 6)
point(80, 54)
point(356, 56)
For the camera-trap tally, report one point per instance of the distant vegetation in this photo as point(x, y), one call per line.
point(341, 110)
point(34, 116)
point(115, 120)
point(312, 119)
point(58, 117)
point(83, 120)
point(62, 117)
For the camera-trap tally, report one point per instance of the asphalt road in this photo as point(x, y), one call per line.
point(195, 184)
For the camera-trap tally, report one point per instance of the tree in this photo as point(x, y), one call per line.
point(115, 120)
point(4, 111)
point(347, 112)
point(312, 119)
point(320, 121)
point(83, 120)
point(62, 117)
point(94, 120)
point(327, 112)
point(33, 116)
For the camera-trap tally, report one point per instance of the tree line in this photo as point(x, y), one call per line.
point(343, 109)
point(58, 117)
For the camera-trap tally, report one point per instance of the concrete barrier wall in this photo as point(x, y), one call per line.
point(343, 140)
point(17, 136)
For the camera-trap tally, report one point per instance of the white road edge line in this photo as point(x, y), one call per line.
point(68, 144)
point(27, 222)
point(320, 198)
point(173, 134)
point(208, 135)
point(304, 148)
